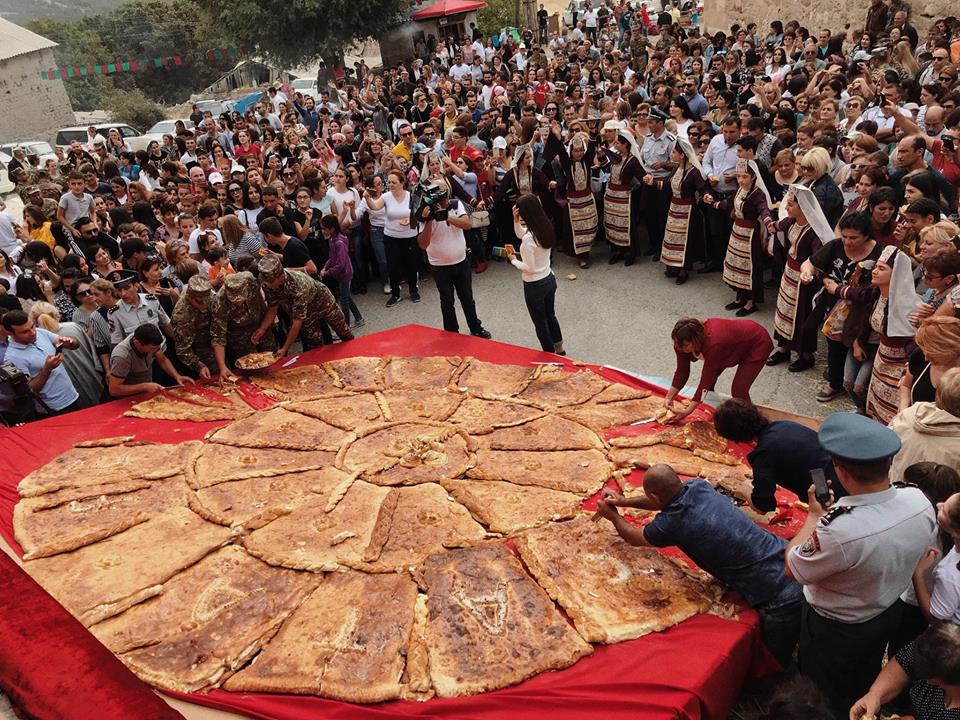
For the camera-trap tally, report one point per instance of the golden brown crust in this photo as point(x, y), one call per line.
point(618, 392)
point(407, 453)
point(162, 407)
point(101, 580)
point(310, 538)
point(217, 463)
point(422, 521)
point(506, 508)
point(489, 624)
point(419, 405)
point(42, 532)
point(253, 502)
point(104, 442)
point(190, 598)
point(305, 382)
point(256, 361)
point(356, 373)
point(416, 675)
point(578, 471)
point(486, 378)
point(84, 467)
point(414, 372)
point(551, 432)
point(206, 655)
point(481, 415)
point(347, 641)
point(280, 428)
point(347, 412)
point(611, 591)
point(556, 387)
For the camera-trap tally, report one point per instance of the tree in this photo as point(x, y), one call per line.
point(137, 31)
point(134, 108)
point(498, 14)
point(295, 33)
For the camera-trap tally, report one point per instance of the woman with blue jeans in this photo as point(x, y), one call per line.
point(377, 218)
point(539, 283)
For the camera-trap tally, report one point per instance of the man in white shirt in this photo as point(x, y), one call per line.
point(590, 22)
point(447, 251)
point(276, 97)
point(882, 114)
point(460, 70)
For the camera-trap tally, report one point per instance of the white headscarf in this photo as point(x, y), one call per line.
point(627, 136)
point(687, 149)
point(811, 210)
point(580, 138)
point(902, 298)
point(757, 180)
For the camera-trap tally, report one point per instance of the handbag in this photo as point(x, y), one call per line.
point(479, 219)
point(833, 324)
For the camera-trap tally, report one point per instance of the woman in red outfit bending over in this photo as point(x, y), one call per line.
point(721, 344)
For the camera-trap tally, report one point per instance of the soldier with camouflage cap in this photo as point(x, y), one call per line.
point(191, 327)
point(236, 314)
point(309, 303)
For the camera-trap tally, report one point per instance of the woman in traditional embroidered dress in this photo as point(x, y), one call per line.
point(893, 277)
point(743, 265)
point(522, 178)
point(624, 167)
point(684, 240)
point(576, 161)
point(805, 230)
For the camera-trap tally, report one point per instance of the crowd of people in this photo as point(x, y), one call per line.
point(816, 167)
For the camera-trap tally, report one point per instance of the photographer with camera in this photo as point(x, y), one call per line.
point(38, 354)
point(442, 237)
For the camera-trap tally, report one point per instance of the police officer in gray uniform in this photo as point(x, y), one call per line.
point(855, 559)
point(134, 308)
point(655, 158)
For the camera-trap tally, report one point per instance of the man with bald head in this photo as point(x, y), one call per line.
point(910, 157)
point(721, 540)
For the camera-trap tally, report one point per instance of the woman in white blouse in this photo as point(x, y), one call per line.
point(539, 283)
point(399, 236)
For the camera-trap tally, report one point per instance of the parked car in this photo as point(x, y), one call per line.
point(165, 127)
point(33, 147)
point(6, 186)
point(134, 139)
point(305, 85)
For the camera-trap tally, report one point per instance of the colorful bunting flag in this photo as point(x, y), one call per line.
point(109, 68)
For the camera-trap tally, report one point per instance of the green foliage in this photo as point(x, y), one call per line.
point(498, 14)
point(137, 31)
point(295, 32)
point(134, 108)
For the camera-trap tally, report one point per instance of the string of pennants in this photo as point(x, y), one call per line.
point(63, 73)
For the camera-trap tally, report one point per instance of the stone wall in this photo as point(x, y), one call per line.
point(33, 109)
point(812, 14)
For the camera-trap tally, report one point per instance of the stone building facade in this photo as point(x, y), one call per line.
point(813, 14)
point(32, 108)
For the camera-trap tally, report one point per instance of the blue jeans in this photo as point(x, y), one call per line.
point(539, 296)
point(347, 304)
point(780, 624)
point(379, 252)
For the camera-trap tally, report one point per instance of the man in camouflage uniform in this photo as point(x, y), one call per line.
point(191, 327)
point(236, 313)
point(308, 302)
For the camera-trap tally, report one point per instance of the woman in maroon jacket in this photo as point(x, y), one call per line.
point(721, 344)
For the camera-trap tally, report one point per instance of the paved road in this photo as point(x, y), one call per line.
point(609, 315)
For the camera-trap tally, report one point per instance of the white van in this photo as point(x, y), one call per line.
point(134, 139)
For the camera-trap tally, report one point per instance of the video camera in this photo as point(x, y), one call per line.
point(17, 402)
point(427, 195)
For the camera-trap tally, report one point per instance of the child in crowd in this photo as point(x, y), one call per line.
point(338, 266)
point(220, 266)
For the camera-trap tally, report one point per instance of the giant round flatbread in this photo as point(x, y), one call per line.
point(202, 563)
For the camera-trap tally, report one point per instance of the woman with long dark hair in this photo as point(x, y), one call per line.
point(537, 238)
